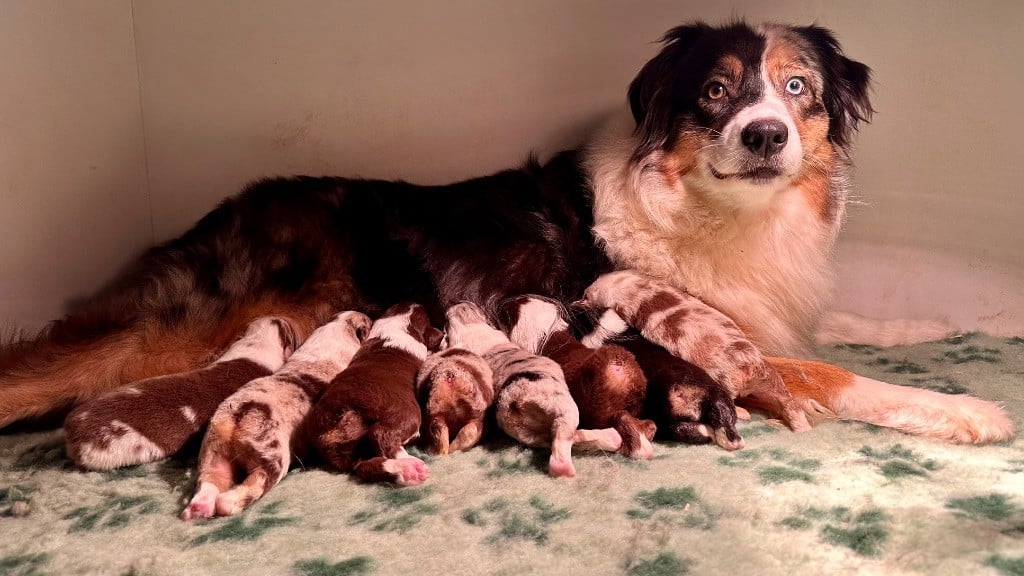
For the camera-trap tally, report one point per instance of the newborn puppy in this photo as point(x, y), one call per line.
point(685, 403)
point(153, 418)
point(533, 403)
point(455, 388)
point(689, 329)
point(606, 382)
point(255, 432)
point(369, 411)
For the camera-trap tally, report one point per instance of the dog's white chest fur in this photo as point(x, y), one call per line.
point(763, 262)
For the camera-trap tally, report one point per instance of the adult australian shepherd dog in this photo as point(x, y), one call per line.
point(728, 179)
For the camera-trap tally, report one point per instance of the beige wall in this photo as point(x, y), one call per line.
point(73, 200)
point(432, 92)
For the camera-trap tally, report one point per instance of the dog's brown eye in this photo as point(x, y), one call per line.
point(714, 90)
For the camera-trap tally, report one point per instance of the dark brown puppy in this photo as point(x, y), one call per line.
point(686, 327)
point(153, 418)
point(606, 382)
point(369, 411)
point(683, 400)
point(455, 388)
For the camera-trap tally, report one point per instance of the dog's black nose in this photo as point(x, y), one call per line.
point(765, 137)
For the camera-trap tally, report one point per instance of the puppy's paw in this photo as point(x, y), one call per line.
point(561, 467)
point(409, 471)
point(203, 504)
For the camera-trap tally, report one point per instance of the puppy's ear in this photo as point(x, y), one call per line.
point(362, 324)
point(419, 324)
point(432, 338)
point(508, 312)
point(847, 84)
point(289, 337)
point(651, 92)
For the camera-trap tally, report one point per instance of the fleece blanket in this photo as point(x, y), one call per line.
point(844, 498)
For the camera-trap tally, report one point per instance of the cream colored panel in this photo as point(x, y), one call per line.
point(73, 201)
point(436, 91)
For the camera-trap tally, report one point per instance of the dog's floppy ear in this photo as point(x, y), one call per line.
point(289, 337)
point(422, 329)
point(847, 83)
point(651, 92)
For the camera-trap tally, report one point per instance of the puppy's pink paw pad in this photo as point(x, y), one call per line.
point(411, 471)
point(198, 510)
point(561, 467)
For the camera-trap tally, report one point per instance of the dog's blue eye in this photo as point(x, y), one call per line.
point(795, 86)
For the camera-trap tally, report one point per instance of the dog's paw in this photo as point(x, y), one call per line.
point(409, 471)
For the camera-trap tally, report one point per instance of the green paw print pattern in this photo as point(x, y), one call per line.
point(994, 508)
point(902, 366)
point(680, 505)
point(115, 511)
point(514, 521)
point(24, 564)
point(357, 566)
point(519, 461)
point(664, 564)
point(898, 462)
point(252, 524)
point(864, 533)
point(1007, 566)
point(972, 353)
point(943, 384)
point(397, 510)
point(784, 467)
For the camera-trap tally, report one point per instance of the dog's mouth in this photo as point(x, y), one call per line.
point(757, 175)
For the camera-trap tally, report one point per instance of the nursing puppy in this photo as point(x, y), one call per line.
point(606, 382)
point(254, 435)
point(369, 411)
point(154, 418)
point(690, 330)
point(726, 176)
point(686, 404)
point(455, 388)
point(533, 404)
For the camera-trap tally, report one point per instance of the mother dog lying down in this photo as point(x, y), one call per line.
point(727, 178)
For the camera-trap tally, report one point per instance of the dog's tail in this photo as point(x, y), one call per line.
point(47, 376)
point(824, 390)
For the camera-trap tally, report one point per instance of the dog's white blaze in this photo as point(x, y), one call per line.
point(189, 414)
point(393, 330)
point(766, 268)
point(261, 343)
point(537, 319)
point(738, 193)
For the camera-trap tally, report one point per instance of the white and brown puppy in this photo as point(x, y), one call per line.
point(455, 388)
point(253, 437)
point(153, 418)
point(533, 403)
point(369, 412)
point(689, 329)
point(606, 382)
point(686, 404)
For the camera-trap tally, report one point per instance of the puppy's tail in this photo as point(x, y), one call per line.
point(824, 390)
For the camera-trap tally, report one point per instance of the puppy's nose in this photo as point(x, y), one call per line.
point(765, 137)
